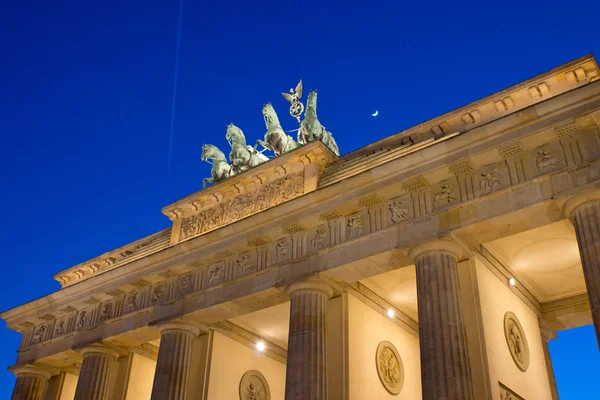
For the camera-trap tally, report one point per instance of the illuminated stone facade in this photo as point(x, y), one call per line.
point(383, 273)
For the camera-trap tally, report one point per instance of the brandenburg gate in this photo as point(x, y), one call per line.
point(436, 263)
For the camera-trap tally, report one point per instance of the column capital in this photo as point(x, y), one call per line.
point(581, 199)
point(99, 349)
point(312, 284)
point(31, 370)
point(435, 246)
point(179, 327)
point(546, 331)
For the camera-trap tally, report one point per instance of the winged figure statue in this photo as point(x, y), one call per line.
point(296, 107)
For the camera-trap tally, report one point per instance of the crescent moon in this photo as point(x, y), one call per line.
point(376, 113)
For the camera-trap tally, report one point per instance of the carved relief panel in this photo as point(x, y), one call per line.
point(491, 178)
point(87, 317)
point(65, 323)
point(318, 238)
point(445, 193)
point(185, 284)
point(107, 311)
point(132, 302)
point(244, 205)
point(546, 159)
point(400, 209)
point(254, 386)
point(158, 293)
point(389, 367)
point(357, 224)
point(246, 263)
point(40, 333)
point(216, 273)
point(507, 394)
point(282, 250)
point(516, 341)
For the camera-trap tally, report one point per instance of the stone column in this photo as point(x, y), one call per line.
point(584, 211)
point(445, 371)
point(173, 367)
point(94, 376)
point(306, 373)
point(31, 383)
point(548, 334)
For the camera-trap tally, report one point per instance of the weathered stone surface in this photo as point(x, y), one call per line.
point(31, 383)
point(306, 376)
point(584, 212)
point(172, 377)
point(95, 374)
point(445, 370)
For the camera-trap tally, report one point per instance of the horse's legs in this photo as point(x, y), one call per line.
point(263, 144)
point(207, 180)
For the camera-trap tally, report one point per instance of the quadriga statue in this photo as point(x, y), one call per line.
point(220, 167)
point(275, 139)
point(311, 129)
point(242, 156)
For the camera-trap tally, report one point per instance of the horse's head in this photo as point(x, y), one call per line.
point(270, 115)
point(209, 151)
point(235, 135)
point(268, 110)
point(311, 102)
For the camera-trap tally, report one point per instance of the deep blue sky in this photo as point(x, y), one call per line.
point(86, 101)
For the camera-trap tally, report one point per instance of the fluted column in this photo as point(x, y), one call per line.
point(173, 367)
point(94, 376)
point(445, 371)
point(31, 384)
point(584, 212)
point(306, 374)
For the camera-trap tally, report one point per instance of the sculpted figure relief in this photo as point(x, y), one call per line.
point(59, 329)
point(546, 161)
point(516, 341)
point(311, 129)
point(445, 196)
point(254, 386)
point(389, 367)
point(243, 205)
point(319, 239)
point(131, 302)
point(158, 293)
point(82, 319)
point(399, 211)
point(489, 181)
point(106, 311)
point(38, 334)
point(216, 273)
point(245, 264)
point(282, 249)
point(355, 225)
point(186, 285)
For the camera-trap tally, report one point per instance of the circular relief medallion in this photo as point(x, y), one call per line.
point(389, 367)
point(254, 386)
point(516, 341)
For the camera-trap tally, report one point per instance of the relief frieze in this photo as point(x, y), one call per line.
point(493, 177)
point(244, 205)
point(400, 209)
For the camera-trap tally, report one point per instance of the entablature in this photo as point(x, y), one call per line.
point(273, 182)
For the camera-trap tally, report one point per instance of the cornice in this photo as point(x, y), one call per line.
point(566, 77)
